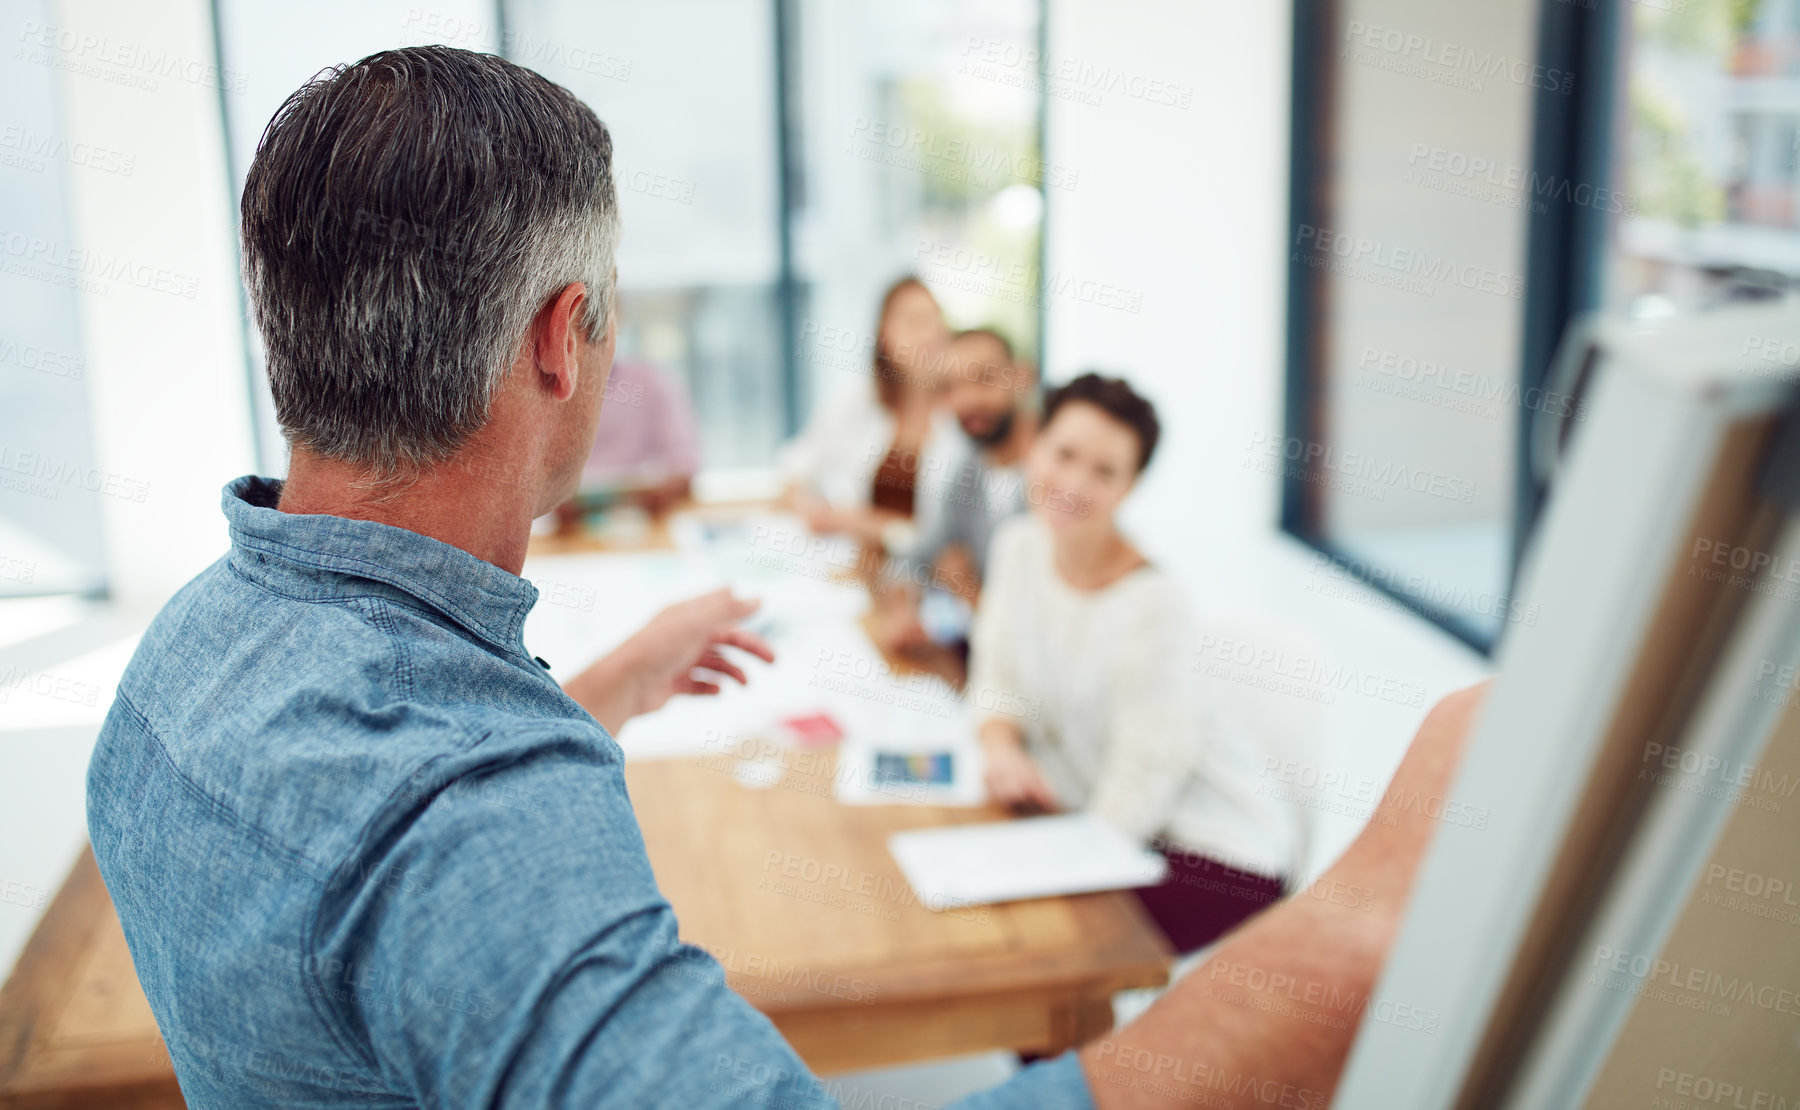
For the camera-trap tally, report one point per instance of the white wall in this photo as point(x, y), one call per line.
point(1189, 207)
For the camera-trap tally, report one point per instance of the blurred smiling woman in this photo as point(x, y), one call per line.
point(1080, 676)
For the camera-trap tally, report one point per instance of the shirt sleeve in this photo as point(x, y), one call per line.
point(522, 956)
point(930, 532)
point(942, 459)
point(1155, 735)
point(934, 510)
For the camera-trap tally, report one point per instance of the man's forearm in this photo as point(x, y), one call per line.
point(1270, 1018)
point(606, 690)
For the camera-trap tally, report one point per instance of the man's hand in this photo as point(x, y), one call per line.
point(1013, 780)
point(659, 662)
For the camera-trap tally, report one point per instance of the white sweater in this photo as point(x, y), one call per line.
point(1101, 683)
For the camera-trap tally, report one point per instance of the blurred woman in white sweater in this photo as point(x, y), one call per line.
point(856, 466)
point(1081, 677)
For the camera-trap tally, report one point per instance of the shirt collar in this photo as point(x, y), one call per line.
point(324, 556)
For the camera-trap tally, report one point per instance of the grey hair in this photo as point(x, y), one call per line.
point(404, 220)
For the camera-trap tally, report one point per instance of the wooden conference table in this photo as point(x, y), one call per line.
point(795, 894)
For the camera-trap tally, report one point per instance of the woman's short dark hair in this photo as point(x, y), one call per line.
point(1116, 398)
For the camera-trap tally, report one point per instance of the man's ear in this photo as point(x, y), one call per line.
point(557, 339)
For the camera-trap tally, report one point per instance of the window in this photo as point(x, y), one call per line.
point(1449, 198)
point(689, 90)
point(921, 152)
point(771, 195)
point(50, 487)
point(1706, 157)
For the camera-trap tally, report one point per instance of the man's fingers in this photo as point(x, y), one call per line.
point(696, 686)
point(748, 641)
point(713, 661)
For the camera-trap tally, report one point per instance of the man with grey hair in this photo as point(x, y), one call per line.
point(363, 848)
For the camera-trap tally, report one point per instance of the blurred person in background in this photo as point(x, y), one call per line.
point(854, 468)
point(924, 605)
point(647, 447)
point(1079, 677)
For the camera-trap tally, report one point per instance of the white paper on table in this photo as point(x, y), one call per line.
point(1032, 857)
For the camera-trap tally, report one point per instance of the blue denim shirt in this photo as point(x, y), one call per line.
point(366, 852)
